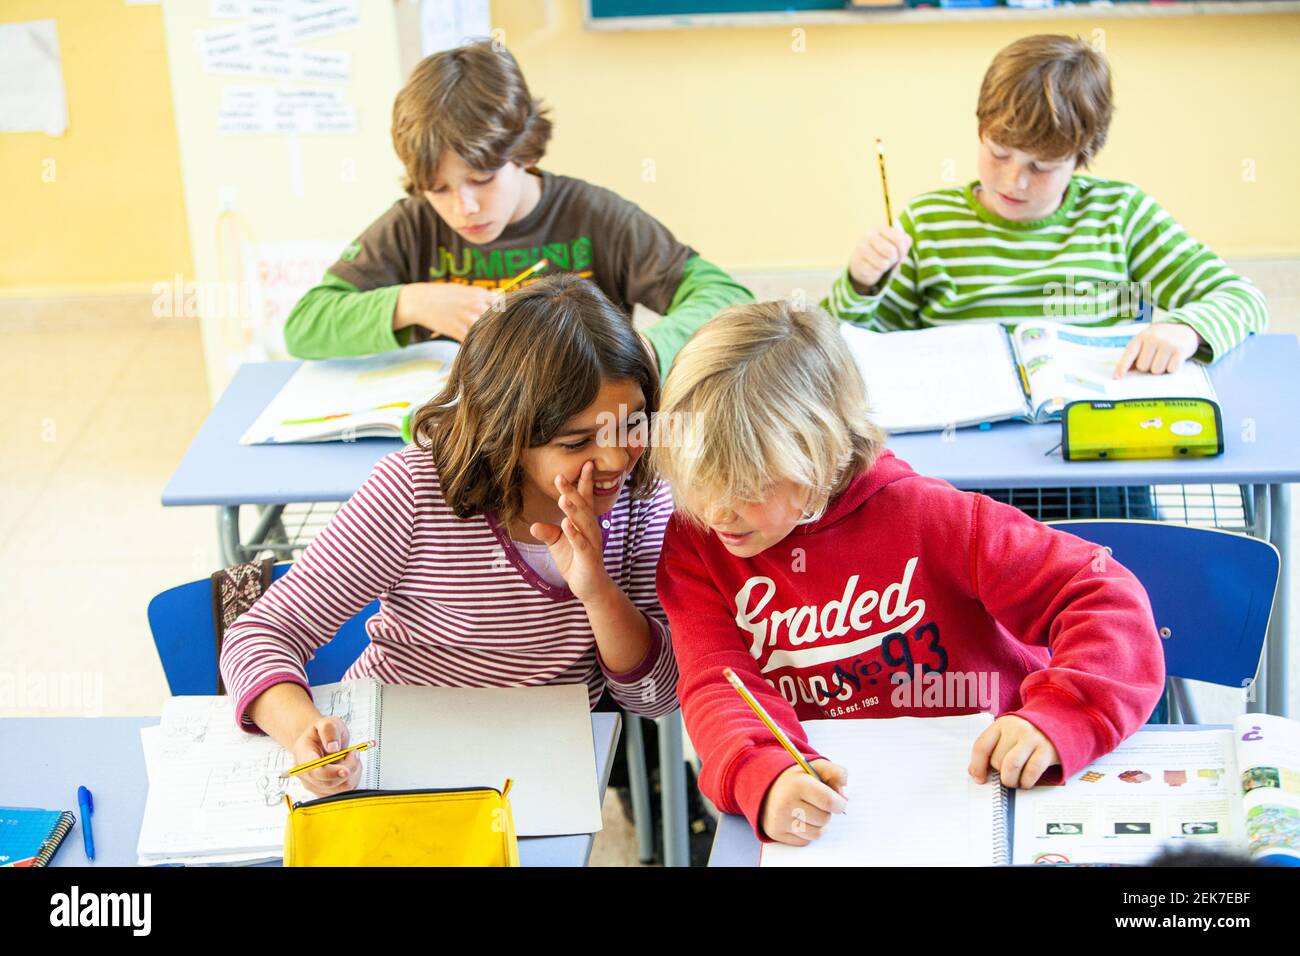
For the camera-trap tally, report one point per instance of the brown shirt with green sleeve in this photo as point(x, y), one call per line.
point(576, 226)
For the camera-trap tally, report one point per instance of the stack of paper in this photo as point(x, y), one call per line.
point(215, 795)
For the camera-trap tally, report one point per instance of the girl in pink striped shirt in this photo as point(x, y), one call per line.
point(514, 543)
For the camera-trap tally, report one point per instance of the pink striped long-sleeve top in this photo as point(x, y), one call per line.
point(458, 606)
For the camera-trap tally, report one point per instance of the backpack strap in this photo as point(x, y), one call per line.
point(234, 590)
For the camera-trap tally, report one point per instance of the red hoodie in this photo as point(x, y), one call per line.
point(907, 598)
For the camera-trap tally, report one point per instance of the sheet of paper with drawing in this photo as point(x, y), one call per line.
point(215, 793)
point(970, 373)
point(349, 398)
point(911, 800)
point(1231, 790)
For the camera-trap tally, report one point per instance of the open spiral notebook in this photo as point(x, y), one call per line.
point(911, 801)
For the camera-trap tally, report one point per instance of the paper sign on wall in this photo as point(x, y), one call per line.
point(32, 99)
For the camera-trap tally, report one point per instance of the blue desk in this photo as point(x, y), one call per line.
point(1258, 385)
point(51, 756)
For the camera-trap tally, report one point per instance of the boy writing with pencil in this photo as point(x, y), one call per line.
point(833, 581)
point(479, 213)
point(1034, 238)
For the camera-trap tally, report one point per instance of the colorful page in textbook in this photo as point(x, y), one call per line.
point(1066, 363)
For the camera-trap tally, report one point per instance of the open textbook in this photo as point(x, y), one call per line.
point(912, 802)
point(1235, 790)
point(216, 797)
point(975, 372)
point(349, 398)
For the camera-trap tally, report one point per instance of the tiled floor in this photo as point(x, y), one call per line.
point(100, 402)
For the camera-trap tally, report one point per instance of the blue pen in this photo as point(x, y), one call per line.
point(87, 803)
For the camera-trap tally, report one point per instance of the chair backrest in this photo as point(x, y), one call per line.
point(1211, 592)
point(185, 635)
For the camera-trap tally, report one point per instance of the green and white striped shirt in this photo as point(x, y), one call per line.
point(1107, 250)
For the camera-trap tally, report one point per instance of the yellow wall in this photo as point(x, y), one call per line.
point(113, 219)
point(763, 156)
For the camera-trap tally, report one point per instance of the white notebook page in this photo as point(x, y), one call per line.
point(539, 737)
point(214, 789)
point(911, 800)
point(932, 378)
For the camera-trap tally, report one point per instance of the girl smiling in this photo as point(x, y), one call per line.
point(509, 545)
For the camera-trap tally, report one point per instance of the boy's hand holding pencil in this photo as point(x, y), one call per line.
point(798, 805)
point(444, 308)
point(801, 800)
point(876, 253)
point(883, 247)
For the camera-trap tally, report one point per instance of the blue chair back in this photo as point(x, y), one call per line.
point(185, 634)
point(1211, 592)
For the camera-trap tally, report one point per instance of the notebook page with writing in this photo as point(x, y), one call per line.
point(214, 790)
point(930, 379)
point(911, 800)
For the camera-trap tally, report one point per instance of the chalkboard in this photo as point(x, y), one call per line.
point(600, 10)
point(676, 8)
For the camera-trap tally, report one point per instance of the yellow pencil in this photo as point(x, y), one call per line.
point(539, 264)
point(782, 739)
point(327, 759)
point(884, 181)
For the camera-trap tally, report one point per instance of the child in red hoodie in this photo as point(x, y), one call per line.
point(837, 582)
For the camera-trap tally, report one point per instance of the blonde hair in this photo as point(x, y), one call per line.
point(763, 393)
point(1048, 95)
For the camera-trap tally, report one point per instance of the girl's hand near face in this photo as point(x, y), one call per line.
point(576, 545)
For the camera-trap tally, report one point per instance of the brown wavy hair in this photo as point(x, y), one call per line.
point(1048, 95)
point(528, 366)
point(473, 101)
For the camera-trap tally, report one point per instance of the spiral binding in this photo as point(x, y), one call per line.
point(66, 820)
point(377, 755)
point(1001, 848)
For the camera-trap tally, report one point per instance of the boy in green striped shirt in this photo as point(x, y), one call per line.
point(1031, 239)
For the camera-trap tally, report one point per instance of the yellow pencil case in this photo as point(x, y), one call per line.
point(472, 827)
